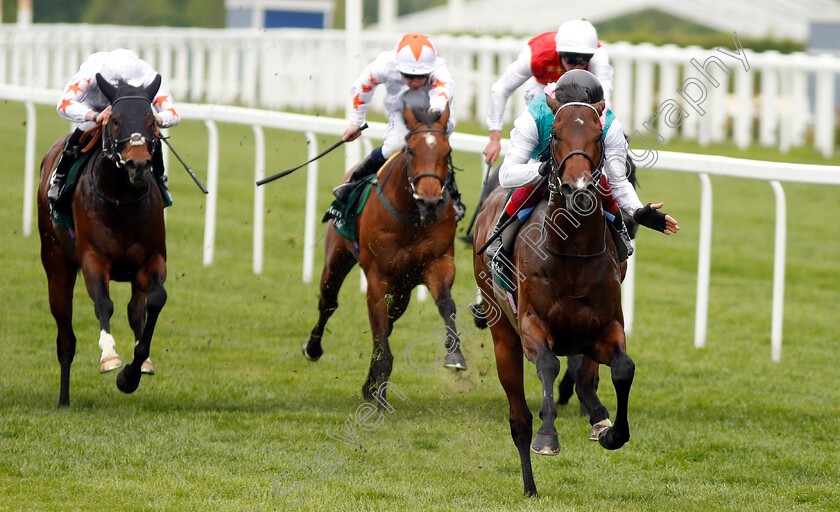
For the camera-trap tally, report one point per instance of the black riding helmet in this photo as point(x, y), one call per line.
point(578, 85)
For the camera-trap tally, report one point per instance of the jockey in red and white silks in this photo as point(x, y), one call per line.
point(543, 61)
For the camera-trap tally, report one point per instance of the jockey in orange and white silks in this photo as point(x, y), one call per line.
point(82, 100)
point(413, 65)
point(84, 104)
point(543, 61)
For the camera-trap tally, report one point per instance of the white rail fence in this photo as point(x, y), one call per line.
point(770, 99)
point(702, 165)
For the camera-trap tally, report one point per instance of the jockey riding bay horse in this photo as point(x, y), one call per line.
point(116, 233)
point(406, 236)
point(568, 294)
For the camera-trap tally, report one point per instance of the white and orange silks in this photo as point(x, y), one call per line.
point(82, 94)
point(383, 71)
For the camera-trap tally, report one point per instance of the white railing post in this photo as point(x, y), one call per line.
point(628, 293)
point(29, 182)
point(259, 198)
point(778, 272)
point(212, 189)
point(824, 109)
point(311, 222)
point(704, 261)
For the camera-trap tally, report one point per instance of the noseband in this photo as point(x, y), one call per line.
point(111, 145)
point(557, 167)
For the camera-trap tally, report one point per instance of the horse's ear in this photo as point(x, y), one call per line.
point(600, 107)
point(444, 118)
point(552, 103)
point(153, 87)
point(411, 121)
point(105, 86)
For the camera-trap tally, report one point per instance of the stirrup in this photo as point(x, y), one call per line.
point(342, 192)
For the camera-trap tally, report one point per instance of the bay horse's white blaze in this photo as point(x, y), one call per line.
point(430, 140)
point(579, 120)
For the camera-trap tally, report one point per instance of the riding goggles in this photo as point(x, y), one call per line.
point(413, 77)
point(577, 59)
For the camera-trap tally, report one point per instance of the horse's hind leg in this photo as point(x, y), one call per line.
point(152, 279)
point(508, 351)
point(137, 319)
point(586, 386)
point(61, 277)
point(439, 278)
point(339, 260)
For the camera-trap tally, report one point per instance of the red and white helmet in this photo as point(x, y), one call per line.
point(415, 55)
point(576, 36)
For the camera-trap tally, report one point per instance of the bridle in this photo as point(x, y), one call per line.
point(557, 167)
point(412, 179)
point(557, 171)
point(111, 145)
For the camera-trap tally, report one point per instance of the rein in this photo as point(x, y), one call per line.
point(111, 145)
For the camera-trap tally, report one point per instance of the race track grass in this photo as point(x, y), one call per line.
point(235, 416)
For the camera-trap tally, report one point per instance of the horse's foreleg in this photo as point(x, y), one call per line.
point(439, 277)
point(137, 319)
point(97, 277)
point(129, 378)
point(613, 352)
point(548, 367)
point(508, 350)
point(61, 277)
point(338, 262)
point(381, 300)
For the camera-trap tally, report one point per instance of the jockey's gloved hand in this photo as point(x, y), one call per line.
point(545, 168)
point(647, 216)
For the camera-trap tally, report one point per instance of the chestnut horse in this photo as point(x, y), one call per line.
point(568, 293)
point(117, 234)
point(406, 237)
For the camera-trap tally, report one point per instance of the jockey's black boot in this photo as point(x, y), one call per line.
point(68, 156)
point(503, 244)
point(158, 171)
point(457, 204)
point(369, 165)
point(623, 238)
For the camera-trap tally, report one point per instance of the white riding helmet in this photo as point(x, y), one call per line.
point(122, 64)
point(415, 55)
point(576, 36)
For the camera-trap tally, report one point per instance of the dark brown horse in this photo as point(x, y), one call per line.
point(567, 293)
point(117, 234)
point(406, 238)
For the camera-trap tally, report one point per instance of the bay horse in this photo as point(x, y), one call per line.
point(406, 235)
point(568, 294)
point(117, 234)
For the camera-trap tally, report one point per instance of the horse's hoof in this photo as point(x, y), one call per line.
point(598, 429)
point(612, 439)
point(125, 383)
point(315, 354)
point(112, 363)
point(545, 445)
point(455, 360)
point(147, 367)
point(479, 319)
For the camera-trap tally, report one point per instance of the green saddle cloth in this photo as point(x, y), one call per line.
point(343, 214)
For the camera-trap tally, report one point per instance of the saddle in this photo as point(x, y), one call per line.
point(343, 214)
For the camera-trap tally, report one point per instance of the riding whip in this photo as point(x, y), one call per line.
point(480, 202)
point(507, 223)
point(187, 167)
point(293, 169)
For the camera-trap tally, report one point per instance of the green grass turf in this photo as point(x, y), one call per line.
point(234, 405)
